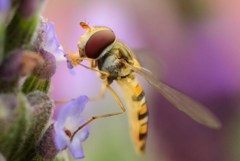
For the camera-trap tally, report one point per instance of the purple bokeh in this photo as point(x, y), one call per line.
point(4, 6)
point(200, 58)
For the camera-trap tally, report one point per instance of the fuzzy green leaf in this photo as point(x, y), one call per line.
point(42, 110)
point(11, 140)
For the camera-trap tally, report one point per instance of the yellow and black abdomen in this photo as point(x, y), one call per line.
point(137, 110)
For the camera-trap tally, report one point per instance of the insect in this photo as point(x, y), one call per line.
point(114, 61)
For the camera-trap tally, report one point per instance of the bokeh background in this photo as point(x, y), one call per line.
point(192, 45)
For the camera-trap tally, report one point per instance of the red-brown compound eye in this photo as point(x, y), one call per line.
point(98, 42)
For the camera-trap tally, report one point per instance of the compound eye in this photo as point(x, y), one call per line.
point(99, 41)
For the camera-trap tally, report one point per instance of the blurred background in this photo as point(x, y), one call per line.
point(192, 45)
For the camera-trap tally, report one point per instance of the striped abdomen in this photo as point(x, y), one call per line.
point(137, 110)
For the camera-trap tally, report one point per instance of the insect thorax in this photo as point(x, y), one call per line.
point(111, 62)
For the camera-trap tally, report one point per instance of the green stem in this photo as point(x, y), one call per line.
point(33, 83)
point(2, 36)
point(19, 32)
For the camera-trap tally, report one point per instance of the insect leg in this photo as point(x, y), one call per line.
point(106, 115)
point(95, 98)
point(93, 64)
point(74, 58)
point(101, 94)
point(104, 75)
point(62, 101)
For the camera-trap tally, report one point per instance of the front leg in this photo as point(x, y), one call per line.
point(101, 95)
point(75, 60)
point(103, 75)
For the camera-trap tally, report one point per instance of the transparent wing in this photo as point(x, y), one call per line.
point(182, 102)
point(153, 63)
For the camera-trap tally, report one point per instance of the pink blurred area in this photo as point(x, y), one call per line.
point(199, 55)
point(203, 52)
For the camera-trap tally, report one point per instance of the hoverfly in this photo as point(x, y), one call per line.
point(116, 62)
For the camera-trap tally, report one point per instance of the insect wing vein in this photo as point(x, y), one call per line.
point(181, 101)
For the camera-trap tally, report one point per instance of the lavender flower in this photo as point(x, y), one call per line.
point(68, 121)
point(69, 64)
point(47, 41)
point(47, 44)
point(46, 38)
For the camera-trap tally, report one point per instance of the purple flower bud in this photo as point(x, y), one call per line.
point(48, 68)
point(47, 148)
point(19, 63)
point(11, 67)
point(27, 8)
